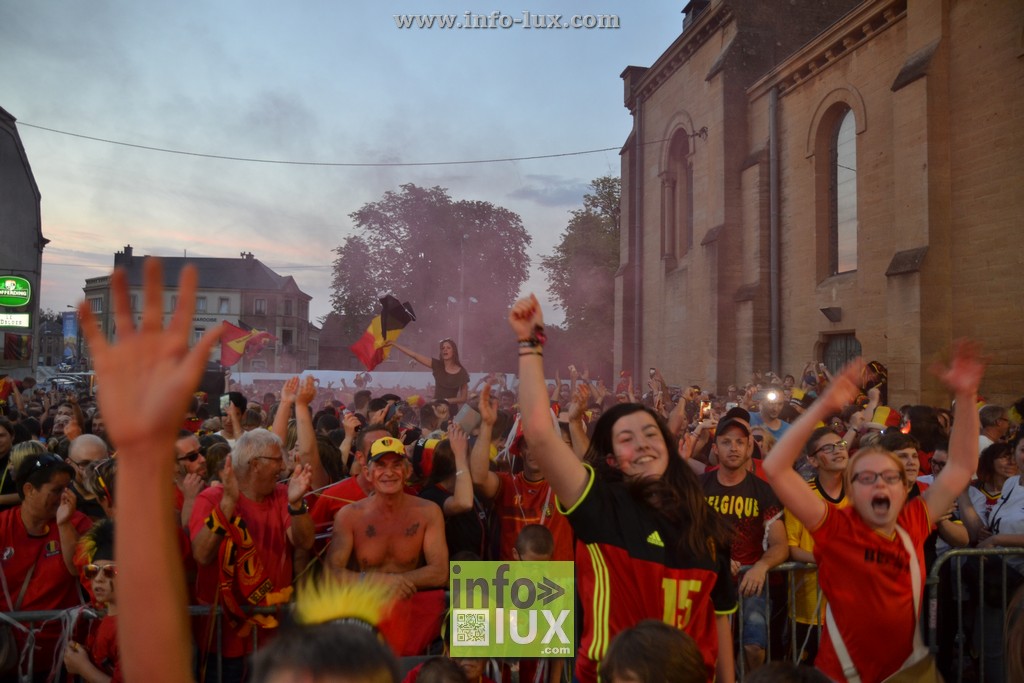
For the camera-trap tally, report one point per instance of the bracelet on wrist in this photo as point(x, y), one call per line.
point(531, 352)
point(299, 511)
point(536, 338)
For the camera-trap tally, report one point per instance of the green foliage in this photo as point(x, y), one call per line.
point(581, 274)
point(411, 244)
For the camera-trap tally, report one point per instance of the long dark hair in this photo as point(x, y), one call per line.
point(988, 457)
point(455, 350)
point(676, 496)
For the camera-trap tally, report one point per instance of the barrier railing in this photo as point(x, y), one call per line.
point(964, 569)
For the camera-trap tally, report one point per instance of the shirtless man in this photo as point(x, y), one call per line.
point(391, 532)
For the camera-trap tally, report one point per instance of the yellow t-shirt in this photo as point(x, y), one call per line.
point(805, 581)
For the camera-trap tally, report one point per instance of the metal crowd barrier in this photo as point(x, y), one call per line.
point(954, 596)
point(961, 561)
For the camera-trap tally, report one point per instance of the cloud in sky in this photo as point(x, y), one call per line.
point(316, 81)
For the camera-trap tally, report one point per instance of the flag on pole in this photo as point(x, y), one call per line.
point(236, 342)
point(393, 318)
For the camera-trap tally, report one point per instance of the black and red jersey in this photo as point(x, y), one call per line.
point(629, 568)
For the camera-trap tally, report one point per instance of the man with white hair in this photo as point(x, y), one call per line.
point(995, 423)
point(252, 515)
point(83, 452)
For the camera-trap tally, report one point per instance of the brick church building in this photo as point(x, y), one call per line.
point(818, 179)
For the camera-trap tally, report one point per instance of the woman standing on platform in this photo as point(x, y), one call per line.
point(451, 381)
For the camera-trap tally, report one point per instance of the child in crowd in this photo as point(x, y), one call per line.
point(871, 555)
point(98, 661)
point(653, 652)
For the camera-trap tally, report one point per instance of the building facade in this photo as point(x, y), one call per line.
point(826, 181)
point(21, 253)
point(241, 291)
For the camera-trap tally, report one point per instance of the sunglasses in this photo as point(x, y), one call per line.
point(91, 571)
point(191, 457)
point(47, 460)
point(759, 438)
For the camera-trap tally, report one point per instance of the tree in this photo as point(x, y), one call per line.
point(444, 257)
point(581, 275)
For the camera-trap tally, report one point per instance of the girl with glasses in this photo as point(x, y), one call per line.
point(871, 555)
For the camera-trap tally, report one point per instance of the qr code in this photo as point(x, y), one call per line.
point(472, 627)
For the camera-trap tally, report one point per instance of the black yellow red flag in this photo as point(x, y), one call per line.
point(393, 318)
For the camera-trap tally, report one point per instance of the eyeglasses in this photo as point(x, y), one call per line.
point(91, 571)
point(191, 456)
point(831, 447)
point(868, 478)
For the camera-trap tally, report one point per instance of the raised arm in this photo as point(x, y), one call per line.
point(461, 499)
point(153, 631)
point(305, 435)
point(577, 430)
point(789, 486)
point(962, 376)
point(561, 467)
point(418, 357)
point(284, 408)
point(487, 482)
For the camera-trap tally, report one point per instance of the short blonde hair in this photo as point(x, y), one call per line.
point(22, 450)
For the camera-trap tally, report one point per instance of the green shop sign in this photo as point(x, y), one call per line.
point(512, 609)
point(14, 291)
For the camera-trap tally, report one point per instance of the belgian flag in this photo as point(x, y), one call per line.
point(393, 318)
point(17, 346)
point(236, 342)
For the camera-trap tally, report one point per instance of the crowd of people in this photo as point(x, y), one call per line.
point(675, 503)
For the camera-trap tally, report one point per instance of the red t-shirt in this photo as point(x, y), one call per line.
point(866, 578)
point(520, 502)
point(332, 499)
point(102, 645)
point(267, 522)
point(51, 585)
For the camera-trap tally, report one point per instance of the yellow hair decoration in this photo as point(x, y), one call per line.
point(367, 600)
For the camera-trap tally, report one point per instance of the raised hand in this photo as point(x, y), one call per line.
point(459, 441)
point(488, 412)
point(299, 483)
point(580, 400)
point(149, 374)
point(845, 386)
point(526, 318)
point(290, 390)
point(307, 391)
point(351, 424)
point(966, 368)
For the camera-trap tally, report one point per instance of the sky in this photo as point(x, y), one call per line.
point(331, 82)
